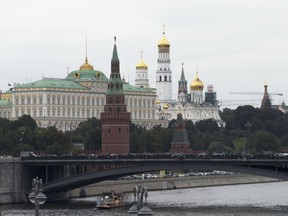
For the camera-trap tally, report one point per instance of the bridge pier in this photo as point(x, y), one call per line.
point(15, 181)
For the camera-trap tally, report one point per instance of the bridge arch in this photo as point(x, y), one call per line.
point(77, 181)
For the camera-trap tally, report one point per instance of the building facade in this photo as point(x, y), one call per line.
point(65, 102)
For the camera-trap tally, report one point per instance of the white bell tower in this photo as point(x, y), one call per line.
point(163, 73)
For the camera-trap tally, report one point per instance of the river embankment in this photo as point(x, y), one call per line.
point(124, 186)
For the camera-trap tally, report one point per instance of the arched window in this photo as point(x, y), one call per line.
point(165, 78)
point(160, 79)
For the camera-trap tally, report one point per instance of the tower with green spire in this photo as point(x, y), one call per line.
point(115, 119)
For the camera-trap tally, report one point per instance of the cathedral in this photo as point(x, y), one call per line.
point(65, 102)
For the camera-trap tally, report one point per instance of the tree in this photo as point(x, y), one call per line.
point(228, 116)
point(218, 147)
point(56, 148)
point(264, 141)
point(26, 121)
point(281, 125)
point(93, 139)
point(284, 140)
point(209, 125)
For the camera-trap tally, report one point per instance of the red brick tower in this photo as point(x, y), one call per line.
point(115, 119)
point(180, 142)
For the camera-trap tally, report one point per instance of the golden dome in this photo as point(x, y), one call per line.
point(165, 106)
point(86, 65)
point(197, 84)
point(158, 102)
point(141, 65)
point(164, 42)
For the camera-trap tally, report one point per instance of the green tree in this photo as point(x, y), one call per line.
point(228, 116)
point(218, 147)
point(209, 125)
point(281, 125)
point(243, 114)
point(264, 141)
point(93, 139)
point(56, 148)
point(26, 121)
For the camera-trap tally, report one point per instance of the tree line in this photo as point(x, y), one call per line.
point(259, 130)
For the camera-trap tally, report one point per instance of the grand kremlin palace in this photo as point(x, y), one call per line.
point(64, 103)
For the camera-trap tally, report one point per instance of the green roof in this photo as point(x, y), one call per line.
point(129, 88)
point(52, 83)
point(87, 75)
point(5, 103)
point(8, 91)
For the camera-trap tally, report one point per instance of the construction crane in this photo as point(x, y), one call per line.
point(255, 93)
point(233, 102)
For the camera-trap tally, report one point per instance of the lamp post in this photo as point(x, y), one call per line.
point(248, 126)
point(22, 129)
point(36, 196)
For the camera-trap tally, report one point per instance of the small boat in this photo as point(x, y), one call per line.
point(110, 200)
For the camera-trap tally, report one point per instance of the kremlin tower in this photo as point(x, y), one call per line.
point(182, 87)
point(180, 142)
point(163, 73)
point(266, 102)
point(115, 119)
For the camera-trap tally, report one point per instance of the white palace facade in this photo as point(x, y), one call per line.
point(64, 103)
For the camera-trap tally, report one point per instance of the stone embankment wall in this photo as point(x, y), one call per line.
point(168, 183)
point(12, 181)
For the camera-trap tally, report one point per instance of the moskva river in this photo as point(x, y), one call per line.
point(265, 199)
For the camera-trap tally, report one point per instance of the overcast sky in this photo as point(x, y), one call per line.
point(236, 45)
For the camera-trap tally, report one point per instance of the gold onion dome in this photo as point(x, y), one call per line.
point(141, 65)
point(164, 42)
point(86, 65)
point(165, 106)
point(197, 84)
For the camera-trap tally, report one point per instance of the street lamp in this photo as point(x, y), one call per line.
point(248, 126)
point(36, 196)
point(22, 129)
point(145, 138)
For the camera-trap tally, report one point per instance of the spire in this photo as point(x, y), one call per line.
point(141, 64)
point(163, 42)
point(115, 54)
point(115, 85)
point(182, 79)
point(266, 101)
point(86, 65)
point(182, 87)
point(86, 47)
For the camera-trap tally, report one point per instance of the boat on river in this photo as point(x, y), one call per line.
point(110, 200)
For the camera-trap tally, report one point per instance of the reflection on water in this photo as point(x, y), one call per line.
point(268, 199)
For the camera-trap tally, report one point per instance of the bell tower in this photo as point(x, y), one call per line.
point(163, 73)
point(115, 119)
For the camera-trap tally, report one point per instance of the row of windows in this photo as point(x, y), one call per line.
point(59, 113)
point(61, 100)
point(77, 113)
point(5, 114)
point(68, 100)
point(141, 103)
point(164, 78)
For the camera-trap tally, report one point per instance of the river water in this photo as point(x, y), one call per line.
point(264, 199)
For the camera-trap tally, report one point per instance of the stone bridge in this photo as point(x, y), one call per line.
point(63, 175)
